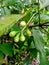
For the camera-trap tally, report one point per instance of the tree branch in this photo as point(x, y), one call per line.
point(41, 25)
point(45, 30)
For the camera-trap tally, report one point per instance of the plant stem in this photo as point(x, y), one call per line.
point(45, 30)
point(43, 24)
point(29, 21)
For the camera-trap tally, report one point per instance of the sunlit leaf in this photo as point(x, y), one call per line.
point(6, 22)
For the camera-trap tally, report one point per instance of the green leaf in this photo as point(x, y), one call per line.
point(39, 42)
point(43, 60)
point(32, 45)
point(15, 28)
point(7, 11)
point(47, 52)
point(39, 45)
point(2, 11)
point(9, 2)
point(7, 22)
point(44, 3)
point(33, 53)
point(43, 18)
point(7, 48)
point(1, 55)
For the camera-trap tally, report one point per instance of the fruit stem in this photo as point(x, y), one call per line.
point(28, 22)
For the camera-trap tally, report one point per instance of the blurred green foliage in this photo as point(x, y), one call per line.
point(33, 43)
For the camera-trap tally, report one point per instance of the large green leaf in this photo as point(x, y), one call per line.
point(39, 45)
point(7, 22)
point(39, 42)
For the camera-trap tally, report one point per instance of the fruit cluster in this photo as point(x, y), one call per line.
point(19, 35)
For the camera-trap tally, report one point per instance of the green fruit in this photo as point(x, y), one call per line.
point(12, 33)
point(23, 23)
point(28, 32)
point(22, 37)
point(16, 38)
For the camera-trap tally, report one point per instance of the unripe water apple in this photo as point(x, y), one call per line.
point(22, 37)
point(16, 38)
point(28, 32)
point(12, 33)
point(22, 23)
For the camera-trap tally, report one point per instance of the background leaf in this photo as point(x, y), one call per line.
point(6, 22)
point(44, 3)
point(39, 42)
point(7, 48)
